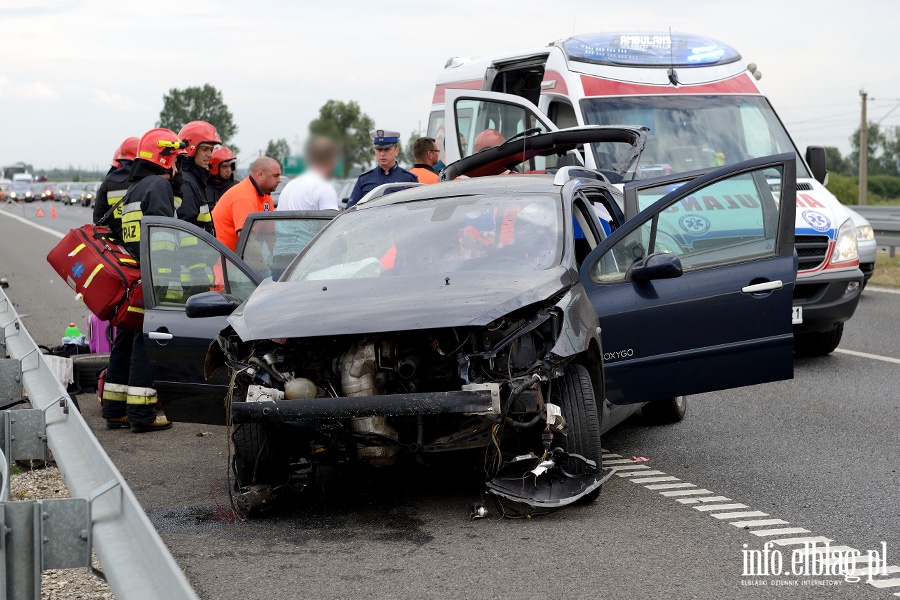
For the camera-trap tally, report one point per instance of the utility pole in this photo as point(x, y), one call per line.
point(863, 153)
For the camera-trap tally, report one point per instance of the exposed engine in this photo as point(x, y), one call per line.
point(511, 358)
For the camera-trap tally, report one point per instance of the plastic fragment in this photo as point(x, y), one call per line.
point(640, 459)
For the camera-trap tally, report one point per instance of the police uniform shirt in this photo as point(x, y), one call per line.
point(370, 180)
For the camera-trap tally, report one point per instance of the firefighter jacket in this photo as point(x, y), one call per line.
point(109, 193)
point(195, 195)
point(218, 186)
point(148, 195)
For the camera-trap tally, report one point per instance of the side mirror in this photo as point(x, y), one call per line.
point(211, 304)
point(661, 265)
point(815, 158)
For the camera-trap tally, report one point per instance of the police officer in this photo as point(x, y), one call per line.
point(386, 169)
point(201, 139)
point(128, 396)
point(114, 186)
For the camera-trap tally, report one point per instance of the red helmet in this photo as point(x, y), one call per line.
point(127, 150)
point(161, 147)
point(488, 138)
point(221, 155)
point(196, 133)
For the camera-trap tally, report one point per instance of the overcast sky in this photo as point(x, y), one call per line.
point(77, 77)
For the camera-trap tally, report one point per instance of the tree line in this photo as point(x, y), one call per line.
point(883, 160)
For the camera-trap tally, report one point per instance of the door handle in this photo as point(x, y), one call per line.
point(767, 286)
point(160, 335)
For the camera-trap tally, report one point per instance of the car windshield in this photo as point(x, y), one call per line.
point(18, 187)
point(37, 187)
point(439, 236)
point(688, 132)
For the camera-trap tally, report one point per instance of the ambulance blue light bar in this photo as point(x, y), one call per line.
point(649, 50)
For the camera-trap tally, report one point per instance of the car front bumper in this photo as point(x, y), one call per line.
point(318, 409)
point(826, 300)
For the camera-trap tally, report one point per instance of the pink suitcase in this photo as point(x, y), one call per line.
point(100, 334)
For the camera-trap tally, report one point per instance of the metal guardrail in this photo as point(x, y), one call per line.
point(102, 511)
point(885, 221)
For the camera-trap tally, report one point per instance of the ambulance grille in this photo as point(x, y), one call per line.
point(811, 250)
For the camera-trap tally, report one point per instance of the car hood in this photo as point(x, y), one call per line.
point(291, 309)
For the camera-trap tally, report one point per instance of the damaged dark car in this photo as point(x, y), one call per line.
point(519, 316)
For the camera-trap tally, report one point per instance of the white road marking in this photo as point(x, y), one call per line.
point(663, 486)
point(824, 551)
point(637, 473)
point(740, 515)
point(655, 479)
point(882, 289)
point(706, 499)
point(802, 540)
point(883, 583)
point(720, 507)
point(610, 455)
point(32, 223)
point(619, 461)
point(877, 570)
point(888, 359)
point(631, 467)
point(782, 531)
point(759, 523)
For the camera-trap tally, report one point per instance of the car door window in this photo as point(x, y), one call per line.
point(727, 221)
point(183, 265)
point(272, 242)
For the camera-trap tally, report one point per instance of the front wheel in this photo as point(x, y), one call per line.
point(579, 409)
point(818, 343)
point(257, 456)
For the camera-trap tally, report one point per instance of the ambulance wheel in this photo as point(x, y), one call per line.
point(667, 411)
point(818, 343)
point(579, 409)
point(257, 459)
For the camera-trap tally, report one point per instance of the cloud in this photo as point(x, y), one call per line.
point(118, 101)
point(29, 90)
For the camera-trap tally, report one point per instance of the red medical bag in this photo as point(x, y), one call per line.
point(103, 273)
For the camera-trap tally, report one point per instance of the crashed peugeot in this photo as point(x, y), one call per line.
point(471, 314)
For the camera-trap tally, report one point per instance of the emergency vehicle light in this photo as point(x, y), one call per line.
point(648, 50)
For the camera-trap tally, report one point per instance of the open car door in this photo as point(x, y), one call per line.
point(179, 260)
point(694, 293)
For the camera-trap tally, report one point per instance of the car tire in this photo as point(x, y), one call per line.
point(579, 409)
point(87, 369)
point(818, 343)
point(663, 412)
point(257, 459)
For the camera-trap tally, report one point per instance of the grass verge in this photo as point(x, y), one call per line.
point(887, 270)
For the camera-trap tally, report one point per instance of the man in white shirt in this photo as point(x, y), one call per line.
point(312, 191)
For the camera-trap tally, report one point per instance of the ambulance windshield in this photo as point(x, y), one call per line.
point(688, 133)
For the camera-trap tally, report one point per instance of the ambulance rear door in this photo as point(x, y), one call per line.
point(470, 113)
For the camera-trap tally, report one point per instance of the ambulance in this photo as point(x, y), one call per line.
point(703, 107)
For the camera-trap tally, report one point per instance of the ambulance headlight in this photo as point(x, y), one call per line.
point(865, 233)
point(845, 248)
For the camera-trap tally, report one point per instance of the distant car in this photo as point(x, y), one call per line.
point(284, 181)
point(344, 187)
point(868, 246)
point(74, 193)
point(39, 191)
point(4, 188)
point(90, 193)
point(20, 190)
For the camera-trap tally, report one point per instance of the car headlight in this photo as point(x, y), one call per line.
point(13, 195)
point(845, 249)
point(865, 233)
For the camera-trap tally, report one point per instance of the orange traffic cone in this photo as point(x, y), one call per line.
point(40, 212)
point(52, 212)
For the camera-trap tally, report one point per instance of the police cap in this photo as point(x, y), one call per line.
point(382, 138)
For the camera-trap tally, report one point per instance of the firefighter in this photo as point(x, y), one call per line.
point(221, 174)
point(201, 139)
point(129, 399)
point(115, 185)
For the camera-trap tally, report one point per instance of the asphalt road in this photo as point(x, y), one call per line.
point(819, 452)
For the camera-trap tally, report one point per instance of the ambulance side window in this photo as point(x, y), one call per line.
point(562, 114)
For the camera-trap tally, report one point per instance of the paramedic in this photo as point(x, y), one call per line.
point(128, 396)
point(253, 194)
point(426, 153)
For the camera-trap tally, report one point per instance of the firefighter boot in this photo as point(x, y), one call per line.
point(142, 413)
point(114, 405)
